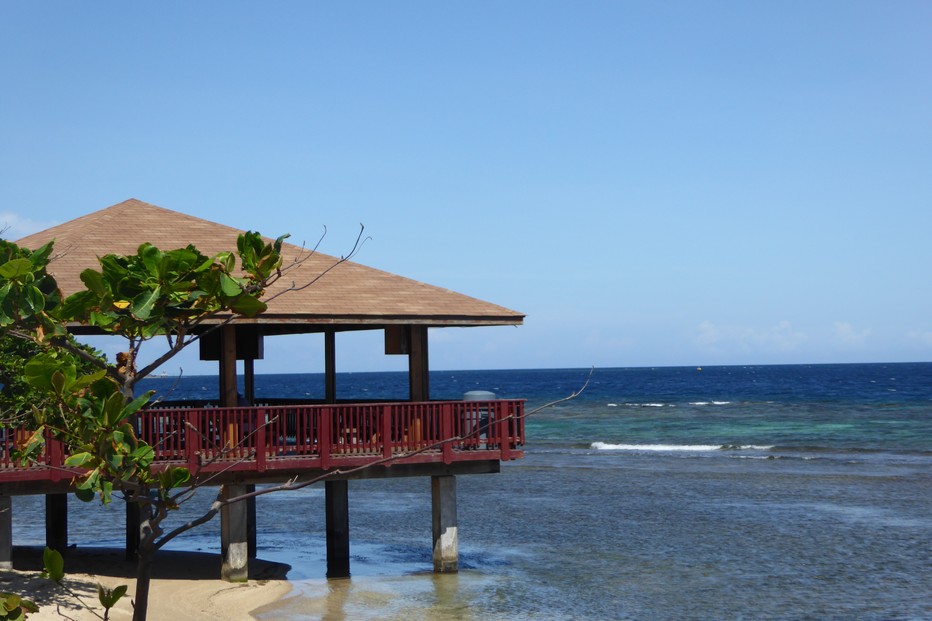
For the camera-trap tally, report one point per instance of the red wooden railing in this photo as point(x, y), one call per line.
point(295, 437)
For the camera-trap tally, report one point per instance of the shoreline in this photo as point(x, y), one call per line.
point(184, 585)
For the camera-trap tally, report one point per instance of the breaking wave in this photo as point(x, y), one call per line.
point(670, 448)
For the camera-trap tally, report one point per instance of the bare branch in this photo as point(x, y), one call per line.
point(293, 484)
point(357, 246)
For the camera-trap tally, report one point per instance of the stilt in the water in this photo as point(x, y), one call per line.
point(443, 507)
point(6, 532)
point(56, 522)
point(234, 536)
point(338, 547)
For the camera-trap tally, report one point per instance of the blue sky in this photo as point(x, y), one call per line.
point(653, 183)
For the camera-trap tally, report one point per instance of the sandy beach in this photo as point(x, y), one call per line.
point(185, 585)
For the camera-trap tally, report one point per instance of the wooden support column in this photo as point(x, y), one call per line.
point(234, 544)
point(418, 368)
point(443, 508)
point(249, 380)
point(228, 366)
point(6, 532)
point(56, 522)
point(330, 366)
point(338, 545)
point(234, 518)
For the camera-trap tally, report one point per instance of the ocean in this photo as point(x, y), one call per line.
point(728, 493)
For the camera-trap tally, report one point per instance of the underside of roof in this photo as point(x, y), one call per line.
point(349, 296)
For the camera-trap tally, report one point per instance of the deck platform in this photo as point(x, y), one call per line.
point(242, 446)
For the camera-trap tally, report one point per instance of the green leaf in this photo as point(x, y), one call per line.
point(11, 601)
point(114, 409)
point(89, 481)
point(78, 306)
point(180, 476)
point(33, 299)
point(84, 381)
point(173, 477)
point(143, 456)
point(115, 460)
point(30, 449)
point(94, 281)
point(145, 302)
point(54, 564)
point(136, 404)
point(108, 598)
point(39, 370)
point(40, 256)
point(229, 286)
point(151, 258)
point(17, 268)
point(84, 495)
point(78, 460)
point(106, 490)
point(58, 382)
point(248, 306)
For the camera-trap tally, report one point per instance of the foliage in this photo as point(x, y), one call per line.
point(54, 565)
point(29, 295)
point(55, 571)
point(18, 400)
point(150, 293)
point(155, 293)
point(87, 402)
point(13, 607)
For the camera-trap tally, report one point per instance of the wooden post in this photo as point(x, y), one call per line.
point(330, 366)
point(234, 537)
point(443, 508)
point(228, 366)
point(234, 519)
point(6, 532)
point(56, 522)
point(249, 380)
point(338, 546)
point(418, 367)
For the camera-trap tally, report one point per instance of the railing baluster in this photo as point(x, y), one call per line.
point(322, 435)
point(446, 432)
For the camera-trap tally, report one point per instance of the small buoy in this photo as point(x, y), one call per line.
point(699, 369)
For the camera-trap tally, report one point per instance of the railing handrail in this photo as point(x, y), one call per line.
point(268, 437)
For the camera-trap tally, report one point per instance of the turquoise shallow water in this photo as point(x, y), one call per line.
point(798, 492)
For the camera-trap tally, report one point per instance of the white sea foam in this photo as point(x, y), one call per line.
point(710, 403)
point(603, 446)
point(669, 448)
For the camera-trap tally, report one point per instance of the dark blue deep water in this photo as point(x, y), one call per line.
point(760, 492)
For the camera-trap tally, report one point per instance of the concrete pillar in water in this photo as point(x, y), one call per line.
point(56, 522)
point(234, 536)
point(443, 507)
point(338, 547)
point(251, 528)
point(6, 532)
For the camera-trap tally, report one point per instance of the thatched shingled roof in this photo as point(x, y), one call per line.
point(350, 296)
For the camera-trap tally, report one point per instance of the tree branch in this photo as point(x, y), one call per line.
point(292, 484)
